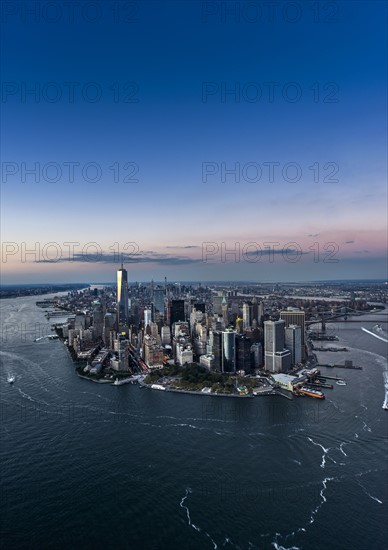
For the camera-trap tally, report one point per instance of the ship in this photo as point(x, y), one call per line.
point(312, 393)
point(341, 382)
point(118, 382)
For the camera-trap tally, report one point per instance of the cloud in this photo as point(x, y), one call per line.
point(136, 258)
point(184, 247)
point(275, 251)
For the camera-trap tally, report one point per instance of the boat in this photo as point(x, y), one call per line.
point(341, 383)
point(11, 378)
point(312, 393)
point(118, 382)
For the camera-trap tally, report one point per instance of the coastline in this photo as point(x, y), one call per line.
point(195, 392)
point(96, 381)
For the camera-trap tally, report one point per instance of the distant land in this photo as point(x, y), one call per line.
point(13, 291)
point(35, 289)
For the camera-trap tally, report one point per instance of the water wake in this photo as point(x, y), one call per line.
point(366, 492)
point(325, 451)
point(191, 524)
point(375, 335)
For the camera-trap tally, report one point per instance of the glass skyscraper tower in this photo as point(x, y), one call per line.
point(122, 299)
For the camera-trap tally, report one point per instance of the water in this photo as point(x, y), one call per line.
point(95, 466)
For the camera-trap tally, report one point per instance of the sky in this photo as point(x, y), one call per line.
point(169, 134)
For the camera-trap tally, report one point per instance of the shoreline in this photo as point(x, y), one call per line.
point(196, 392)
point(96, 381)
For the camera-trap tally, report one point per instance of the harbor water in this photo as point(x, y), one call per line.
point(96, 466)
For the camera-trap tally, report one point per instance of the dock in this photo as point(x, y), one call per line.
point(329, 377)
point(320, 385)
point(348, 367)
point(284, 395)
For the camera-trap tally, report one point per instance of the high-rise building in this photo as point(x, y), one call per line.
point(147, 318)
point(225, 311)
point(98, 319)
point(256, 355)
point(255, 310)
point(295, 316)
point(158, 301)
point(243, 353)
point(200, 306)
point(293, 342)
point(273, 342)
point(261, 313)
point(282, 361)
point(215, 347)
point(123, 352)
point(217, 302)
point(228, 358)
point(247, 307)
point(166, 335)
point(184, 354)
point(109, 325)
point(177, 312)
point(122, 299)
point(79, 320)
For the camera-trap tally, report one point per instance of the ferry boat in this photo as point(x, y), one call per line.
point(312, 393)
point(341, 382)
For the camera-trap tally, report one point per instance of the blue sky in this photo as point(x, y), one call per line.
point(166, 60)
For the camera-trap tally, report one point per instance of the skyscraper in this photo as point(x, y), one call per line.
point(158, 300)
point(98, 318)
point(225, 311)
point(228, 359)
point(122, 299)
point(147, 318)
point(276, 357)
point(293, 342)
point(295, 316)
point(255, 309)
point(247, 314)
point(243, 353)
point(177, 311)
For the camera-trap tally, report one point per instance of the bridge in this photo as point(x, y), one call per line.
point(327, 316)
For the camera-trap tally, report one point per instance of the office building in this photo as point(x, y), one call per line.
point(158, 301)
point(147, 318)
point(122, 300)
point(228, 358)
point(243, 353)
point(295, 316)
point(177, 312)
point(247, 309)
point(293, 342)
point(273, 343)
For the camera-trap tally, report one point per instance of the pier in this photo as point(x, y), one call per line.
point(283, 395)
point(348, 367)
point(329, 377)
point(319, 385)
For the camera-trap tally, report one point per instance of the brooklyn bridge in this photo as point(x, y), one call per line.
point(342, 314)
